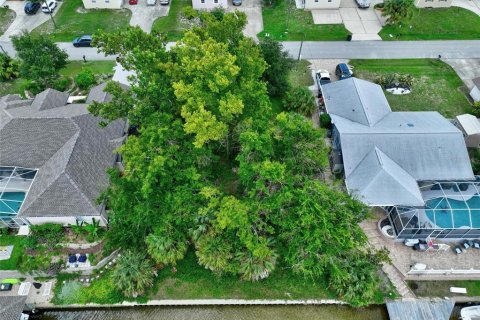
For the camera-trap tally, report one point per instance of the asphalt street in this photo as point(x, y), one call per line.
point(454, 49)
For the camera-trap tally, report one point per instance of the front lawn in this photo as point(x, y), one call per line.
point(437, 24)
point(442, 288)
point(284, 22)
point(436, 85)
point(171, 24)
point(74, 20)
point(6, 18)
point(18, 248)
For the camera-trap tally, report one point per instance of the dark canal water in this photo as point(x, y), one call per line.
point(323, 312)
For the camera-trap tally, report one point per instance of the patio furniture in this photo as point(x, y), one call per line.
point(82, 258)
point(72, 259)
point(37, 285)
point(457, 249)
point(476, 244)
point(466, 244)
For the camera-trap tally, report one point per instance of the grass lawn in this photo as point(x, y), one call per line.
point(192, 281)
point(74, 20)
point(437, 24)
point(171, 24)
point(97, 67)
point(301, 75)
point(71, 70)
point(442, 288)
point(17, 242)
point(436, 86)
point(6, 18)
point(280, 18)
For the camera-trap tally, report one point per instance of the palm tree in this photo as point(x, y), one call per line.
point(77, 228)
point(398, 11)
point(165, 248)
point(301, 100)
point(133, 274)
point(93, 229)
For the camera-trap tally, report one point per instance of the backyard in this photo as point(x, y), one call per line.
point(284, 22)
point(442, 288)
point(18, 247)
point(6, 18)
point(436, 86)
point(436, 24)
point(19, 85)
point(74, 20)
point(171, 24)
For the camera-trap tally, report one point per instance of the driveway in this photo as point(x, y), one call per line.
point(467, 69)
point(364, 24)
point(23, 21)
point(253, 10)
point(471, 5)
point(144, 16)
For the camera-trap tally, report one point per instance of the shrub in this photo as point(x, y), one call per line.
point(189, 13)
point(48, 234)
point(476, 109)
point(61, 84)
point(9, 68)
point(300, 100)
point(325, 121)
point(85, 79)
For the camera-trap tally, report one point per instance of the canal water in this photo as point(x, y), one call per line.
point(320, 312)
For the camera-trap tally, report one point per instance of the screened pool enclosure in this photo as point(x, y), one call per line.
point(15, 182)
point(451, 211)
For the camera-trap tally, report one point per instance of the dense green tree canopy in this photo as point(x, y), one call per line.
point(203, 113)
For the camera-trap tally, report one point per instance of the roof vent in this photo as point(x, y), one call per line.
point(410, 125)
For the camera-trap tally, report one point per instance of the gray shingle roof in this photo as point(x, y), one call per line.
point(70, 151)
point(420, 145)
point(49, 99)
point(476, 82)
point(97, 94)
point(365, 100)
point(11, 307)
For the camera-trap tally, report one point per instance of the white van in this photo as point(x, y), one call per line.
point(151, 2)
point(164, 2)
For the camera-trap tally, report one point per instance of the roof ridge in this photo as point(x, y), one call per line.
point(361, 102)
point(80, 191)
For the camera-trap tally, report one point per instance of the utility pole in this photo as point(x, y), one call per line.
point(50, 12)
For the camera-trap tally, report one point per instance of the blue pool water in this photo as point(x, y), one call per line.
point(444, 217)
point(10, 202)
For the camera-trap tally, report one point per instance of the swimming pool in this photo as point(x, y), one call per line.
point(10, 202)
point(454, 213)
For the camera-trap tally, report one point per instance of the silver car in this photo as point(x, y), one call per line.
point(363, 3)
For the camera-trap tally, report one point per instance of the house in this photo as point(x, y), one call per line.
point(209, 4)
point(320, 4)
point(103, 4)
point(475, 92)
point(470, 127)
point(54, 158)
point(414, 165)
point(11, 307)
point(433, 3)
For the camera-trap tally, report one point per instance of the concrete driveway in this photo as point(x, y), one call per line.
point(467, 69)
point(144, 16)
point(23, 21)
point(364, 24)
point(253, 10)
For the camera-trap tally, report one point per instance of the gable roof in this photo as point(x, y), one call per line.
point(469, 124)
point(70, 151)
point(379, 181)
point(357, 100)
point(11, 307)
point(49, 99)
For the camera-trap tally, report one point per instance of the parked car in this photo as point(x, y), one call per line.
point(83, 41)
point(151, 2)
point(322, 77)
point(363, 3)
point(5, 286)
point(49, 6)
point(132, 2)
point(164, 2)
point(343, 71)
point(237, 2)
point(31, 7)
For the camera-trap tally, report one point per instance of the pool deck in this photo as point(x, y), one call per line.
point(442, 262)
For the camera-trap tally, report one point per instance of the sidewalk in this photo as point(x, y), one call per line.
point(471, 5)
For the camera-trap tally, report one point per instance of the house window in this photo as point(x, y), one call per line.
point(215, 1)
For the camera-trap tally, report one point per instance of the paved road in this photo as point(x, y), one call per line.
point(336, 50)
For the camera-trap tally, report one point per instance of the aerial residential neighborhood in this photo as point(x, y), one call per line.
point(240, 159)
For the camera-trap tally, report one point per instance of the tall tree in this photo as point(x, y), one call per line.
point(398, 11)
point(279, 65)
point(41, 59)
point(133, 274)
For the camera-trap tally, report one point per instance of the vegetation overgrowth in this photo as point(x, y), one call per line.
point(209, 165)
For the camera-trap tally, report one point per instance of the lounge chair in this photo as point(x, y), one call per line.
point(467, 244)
point(72, 259)
point(82, 258)
point(476, 244)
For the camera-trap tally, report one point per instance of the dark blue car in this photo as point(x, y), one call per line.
point(83, 41)
point(343, 71)
point(31, 7)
